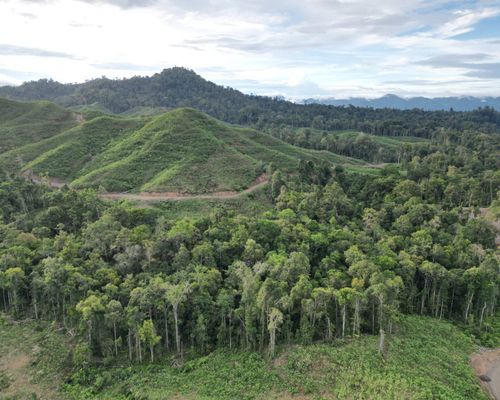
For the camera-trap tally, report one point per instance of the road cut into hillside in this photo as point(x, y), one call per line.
point(151, 197)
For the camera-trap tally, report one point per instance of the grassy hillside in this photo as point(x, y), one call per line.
point(426, 359)
point(22, 123)
point(182, 150)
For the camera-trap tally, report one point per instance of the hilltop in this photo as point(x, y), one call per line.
point(180, 87)
point(182, 150)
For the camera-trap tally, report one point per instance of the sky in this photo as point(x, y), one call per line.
point(294, 48)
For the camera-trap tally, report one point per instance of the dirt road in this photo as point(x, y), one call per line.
point(486, 363)
point(151, 197)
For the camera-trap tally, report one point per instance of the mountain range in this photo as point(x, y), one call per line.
point(463, 103)
point(181, 87)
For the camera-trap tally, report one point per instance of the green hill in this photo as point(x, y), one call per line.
point(182, 150)
point(22, 123)
point(180, 87)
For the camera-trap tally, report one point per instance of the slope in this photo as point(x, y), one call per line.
point(427, 358)
point(22, 123)
point(182, 150)
point(180, 87)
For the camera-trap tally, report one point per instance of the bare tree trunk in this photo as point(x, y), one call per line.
point(114, 336)
point(272, 339)
point(452, 300)
point(381, 343)
point(230, 331)
point(424, 292)
point(129, 341)
point(482, 315)
point(177, 338)
point(469, 303)
point(35, 306)
point(344, 311)
point(165, 313)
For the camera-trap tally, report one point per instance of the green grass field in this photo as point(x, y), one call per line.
point(426, 359)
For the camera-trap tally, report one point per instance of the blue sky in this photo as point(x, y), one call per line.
point(307, 48)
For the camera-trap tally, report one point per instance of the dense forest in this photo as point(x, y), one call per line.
point(339, 254)
point(179, 87)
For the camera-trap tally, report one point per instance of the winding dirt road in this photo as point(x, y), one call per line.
point(151, 197)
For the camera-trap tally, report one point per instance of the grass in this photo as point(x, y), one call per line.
point(427, 359)
point(33, 360)
point(251, 204)
point(22, 123)
point(182, 150)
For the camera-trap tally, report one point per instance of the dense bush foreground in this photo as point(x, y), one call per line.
point(425, 359)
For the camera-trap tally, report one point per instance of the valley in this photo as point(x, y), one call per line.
point(167, 238)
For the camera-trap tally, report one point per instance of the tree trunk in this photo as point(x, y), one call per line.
point(344, 311)
point(424, 292)
point(469, 303)
point(165, 313)
point(177, 338)
point(230, 332)
point(129, 341)
point(35, 306)
point(272, 338)
point(452, 299)
point(482, 315)
point(381, 343)
point(114, 336)
point(89, 334)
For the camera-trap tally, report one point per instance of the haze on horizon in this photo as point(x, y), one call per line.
point(298, 49)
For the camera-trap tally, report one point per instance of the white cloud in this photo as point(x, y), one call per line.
point(296, 48)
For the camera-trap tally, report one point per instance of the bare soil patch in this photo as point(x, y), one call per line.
point(486, 363)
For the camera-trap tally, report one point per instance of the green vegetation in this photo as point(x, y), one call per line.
point(179, 87)
point(22, 123)
point(373, 148)
point(327, 282)
point(251, 204)
point(34, 360)
point(425, 358)
point(180, 151)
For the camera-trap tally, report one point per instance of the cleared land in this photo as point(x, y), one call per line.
point(182, 151)
point(426, 359)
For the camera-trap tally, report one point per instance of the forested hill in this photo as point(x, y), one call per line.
point(179, 87)
point(462, 103)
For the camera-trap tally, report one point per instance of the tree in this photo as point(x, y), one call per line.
point(114, 311)
point(274, 322)
point(91, 308)
point(148, 335)
point(176, 294)
point(15, 281)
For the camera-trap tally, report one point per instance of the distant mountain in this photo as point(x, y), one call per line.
point(180, 87)
point(466, 103)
